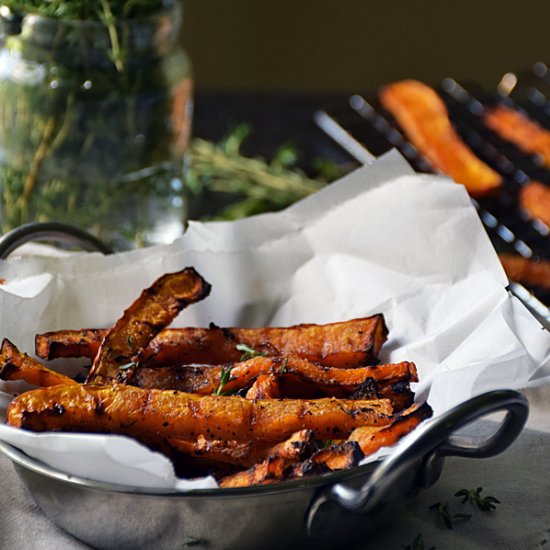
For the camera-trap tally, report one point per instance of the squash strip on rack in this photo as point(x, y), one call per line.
point(424, 118)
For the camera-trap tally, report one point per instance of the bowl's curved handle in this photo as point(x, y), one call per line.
point(55, 231)
point(430, 443)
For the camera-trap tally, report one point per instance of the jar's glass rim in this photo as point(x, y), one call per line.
point(65, 38)
point(8, 13)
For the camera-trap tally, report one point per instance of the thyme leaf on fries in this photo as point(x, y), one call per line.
point(248, 352)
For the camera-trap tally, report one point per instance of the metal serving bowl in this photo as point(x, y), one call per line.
point(320, 512)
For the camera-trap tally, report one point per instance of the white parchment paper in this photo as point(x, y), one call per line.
point(382, 239)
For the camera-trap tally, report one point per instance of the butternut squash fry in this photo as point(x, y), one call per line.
point(217, 451)
point(154, 416)
point(272, 468)
point(156, 307)
point(69, 343)
point(245, 455)
point(269, 471)
point(277, 468)
point(399, 393)
point(339, 456)
point(18, 366)
point(371, 438)
point(15, 365)
point(295, 447)
point(344, 345)
point(266, 386)
point(423, 117)
point(336, 382)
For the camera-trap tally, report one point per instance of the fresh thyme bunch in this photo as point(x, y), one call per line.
point(94, 117)
point(234, 186)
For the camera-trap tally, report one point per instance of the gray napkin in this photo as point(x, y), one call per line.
point(519, 478)
point(22, 525)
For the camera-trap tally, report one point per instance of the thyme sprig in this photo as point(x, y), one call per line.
point(250, 185)
point(417, 544)
point(474, 497)
point(109, 20)
point(444, 513)
point(128, 366)
point(225, 377)
point(248, 352)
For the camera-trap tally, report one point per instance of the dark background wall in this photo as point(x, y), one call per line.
point(354, 45)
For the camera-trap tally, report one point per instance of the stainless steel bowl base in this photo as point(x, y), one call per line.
point(263, 517)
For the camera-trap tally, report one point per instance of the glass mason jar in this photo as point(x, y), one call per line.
point(94, 123)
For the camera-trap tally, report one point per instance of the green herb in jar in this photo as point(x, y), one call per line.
point(94, 117)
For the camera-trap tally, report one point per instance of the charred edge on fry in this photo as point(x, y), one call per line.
point(400, 387)
point(7, 370)
point(367, 390)
point(99, 407)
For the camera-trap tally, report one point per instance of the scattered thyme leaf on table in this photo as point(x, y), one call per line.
point(417, 544)
point(444, 513)
point(473, 496)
